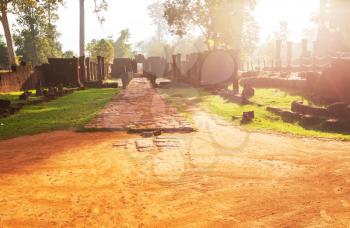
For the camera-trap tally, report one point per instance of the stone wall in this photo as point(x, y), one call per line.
point(334, 83)
point(274, 82)
point(61, 71)
point(212, 69)
point(74, 72)
point(123, 65)
point(157, 66)
point(22, 79)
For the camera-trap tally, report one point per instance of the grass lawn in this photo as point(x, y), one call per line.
point(13, 97)
point(69, 112)
point(183, 98)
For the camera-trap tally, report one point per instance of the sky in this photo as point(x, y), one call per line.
point(133, 14)
point(297, 13)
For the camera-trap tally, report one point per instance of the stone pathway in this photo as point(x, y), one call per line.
point(154, 144)
point(140, 108)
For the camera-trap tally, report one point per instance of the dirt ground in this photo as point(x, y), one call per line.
point(220, 176)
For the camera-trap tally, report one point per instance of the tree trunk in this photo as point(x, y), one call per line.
point(82, 28)
point(8, 36)
point(34, 49)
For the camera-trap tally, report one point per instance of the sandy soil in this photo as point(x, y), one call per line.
point(219, 177)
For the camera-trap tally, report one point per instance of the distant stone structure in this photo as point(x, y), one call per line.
point(70, 72)
point(74, 72)
point(210, 69)
point(123, 65)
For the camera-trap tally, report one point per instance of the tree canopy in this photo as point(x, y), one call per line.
point(36, 37)
point(122, 46)
point(16, 7)
point(103, 47)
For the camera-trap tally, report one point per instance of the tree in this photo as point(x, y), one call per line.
point(100, 5)
point(14, 6)
point(220, 21)
point(122, 47)
point(37, 38)
point(68, 54)
point(156, 12)
point(4, 61)
point(103, 47)
point(82, 28)
point(250, 37)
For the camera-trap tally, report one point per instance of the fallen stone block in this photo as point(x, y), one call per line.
point(248, 92)
point(338, 109)
point(274, 110)
point(4, 112)
point(5, 103)
point(247, 117)
point(24, 96)
point(309, 120)
point(299, 107)
point(290, 117)
point(315, 111)
point(336, 125)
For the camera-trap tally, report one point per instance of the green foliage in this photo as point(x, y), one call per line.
point(102, 48)
point(122, 47)
point(4, 59)
point(68, 54)
point(36, 37)
point(100, 6)
point(20, 9)
point(187, 97)
point(249, 37)
point(69, 112)
point(156, 13)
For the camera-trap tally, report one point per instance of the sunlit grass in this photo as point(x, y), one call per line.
point(68, 112)
point(185, 98)
point(14, 97)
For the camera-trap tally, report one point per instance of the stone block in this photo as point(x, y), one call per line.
point(338, 109)
point(309, 120)
point(4, 103)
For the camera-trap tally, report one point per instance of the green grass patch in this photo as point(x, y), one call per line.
point(14, 97)
point(184, 98)
point(69, 112)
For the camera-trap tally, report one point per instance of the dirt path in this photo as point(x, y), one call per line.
point(216, 177)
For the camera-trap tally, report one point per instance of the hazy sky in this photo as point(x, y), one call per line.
point(297, 13)
point(133, 14)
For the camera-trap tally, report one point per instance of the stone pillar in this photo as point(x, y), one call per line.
point(99, 68)
point(96, 71)
point(88, 69)
point(93, 71)
point(82, 69)
point(198, 78)
point(278, 54)
point(178, 63)
point(103, 70)
point(174, 68)
point(76, 79)
point(304, 52)
point(289, 54)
